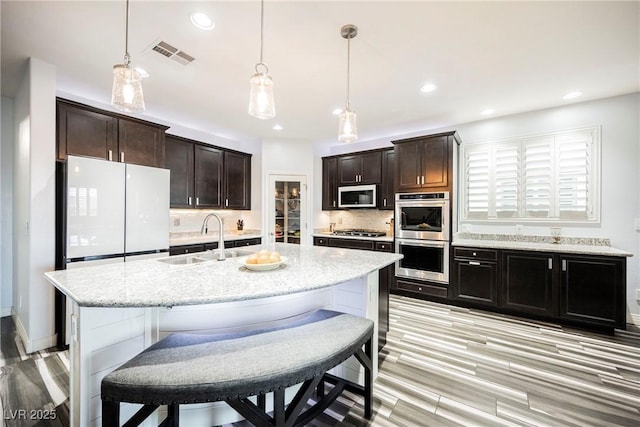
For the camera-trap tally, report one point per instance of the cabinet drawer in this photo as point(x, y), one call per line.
point(472, 253)
point(246, 242)
point(425, 289)
point(320, 241)
point(185, 249)
point(384, 246)
point(352, 244)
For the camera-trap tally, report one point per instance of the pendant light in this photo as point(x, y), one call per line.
point(347, 128)
point(126, 94)
point(261, 104)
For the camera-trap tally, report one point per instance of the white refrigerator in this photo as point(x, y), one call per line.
point(108, 212)
point(114, 211)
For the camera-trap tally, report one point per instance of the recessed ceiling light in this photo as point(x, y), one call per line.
point(142, 72)
point(428, 87)
point(202, 21)
point(277, 127)
point(572, 95)
point(337, 111)
point(488, 111)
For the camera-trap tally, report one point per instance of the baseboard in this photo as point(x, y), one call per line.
point(6, 311)
point(30, 345)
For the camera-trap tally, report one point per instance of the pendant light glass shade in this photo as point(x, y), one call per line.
point(127, 89)
point(261, 104)
point(347, 128)
point(126, 94)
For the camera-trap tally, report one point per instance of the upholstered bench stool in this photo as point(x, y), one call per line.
point(189, 368)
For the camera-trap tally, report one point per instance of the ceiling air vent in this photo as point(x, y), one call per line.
point(174, 53)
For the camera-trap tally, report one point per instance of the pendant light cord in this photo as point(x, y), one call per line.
point(348, 106)
point(261, 28)
point(126, 38)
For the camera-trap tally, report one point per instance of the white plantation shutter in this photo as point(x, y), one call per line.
point(537, 177)
point(574, 175)
point(506, 180)
point(477, 183)
point(547, 177)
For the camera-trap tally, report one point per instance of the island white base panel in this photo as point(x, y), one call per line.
point(104, 338)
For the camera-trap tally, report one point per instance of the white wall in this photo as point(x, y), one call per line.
point(6, 208)
point(294, 157)
point(34, 205)
point(619, 118)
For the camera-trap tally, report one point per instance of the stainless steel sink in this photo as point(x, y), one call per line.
point(205, 256)
point(181, 260)
point(228, 253)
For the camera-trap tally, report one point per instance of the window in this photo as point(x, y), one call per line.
point(541, 178)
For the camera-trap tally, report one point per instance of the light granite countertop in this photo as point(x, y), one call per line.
point(178, 239)
point(582, 246)
point(152, 283)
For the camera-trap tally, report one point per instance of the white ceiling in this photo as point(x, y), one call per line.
point(510, 56)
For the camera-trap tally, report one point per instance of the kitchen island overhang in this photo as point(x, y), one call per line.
point(120, 309)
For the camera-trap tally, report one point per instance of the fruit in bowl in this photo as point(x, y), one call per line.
point(264, 257)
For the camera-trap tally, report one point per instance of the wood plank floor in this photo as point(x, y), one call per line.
point(442, 366)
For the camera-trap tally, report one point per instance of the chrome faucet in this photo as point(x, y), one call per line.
point(204, 230)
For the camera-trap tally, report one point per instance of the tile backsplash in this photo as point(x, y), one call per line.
point(371, 219)
point(190, 220)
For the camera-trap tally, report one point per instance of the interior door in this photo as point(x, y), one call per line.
point(287, 209)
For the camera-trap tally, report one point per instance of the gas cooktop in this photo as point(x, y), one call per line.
point(359, 232)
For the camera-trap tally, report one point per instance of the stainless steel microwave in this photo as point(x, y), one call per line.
point(357, 196)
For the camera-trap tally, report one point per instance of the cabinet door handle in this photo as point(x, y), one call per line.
point(334, 203)
point(197, 201)
point(564, 265)
point(422, 179)
point(189, 201)
point(417, 180)
point(226, 202)
point(384, 202)
point(474, 263)
point(110, 155)
point(122, 156)
point(550, 263)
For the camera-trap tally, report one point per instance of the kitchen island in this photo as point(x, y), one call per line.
point(120, 309)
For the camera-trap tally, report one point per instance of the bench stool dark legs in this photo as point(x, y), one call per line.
point(187, 368)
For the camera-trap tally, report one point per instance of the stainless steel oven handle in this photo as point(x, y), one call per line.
point(422, 243)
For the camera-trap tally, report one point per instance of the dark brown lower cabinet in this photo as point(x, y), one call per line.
point(592, 291)
point(385, 276)
point(581, 290)
point(200, 247)
point(476, 276)
point(527, 282)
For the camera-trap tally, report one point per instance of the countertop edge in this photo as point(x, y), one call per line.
point(543, 247)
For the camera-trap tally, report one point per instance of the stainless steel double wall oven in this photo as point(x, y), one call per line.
point(422, 224)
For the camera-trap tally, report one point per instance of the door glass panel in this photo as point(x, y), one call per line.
point(287, 211)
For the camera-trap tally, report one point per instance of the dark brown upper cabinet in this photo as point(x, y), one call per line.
point(329, 183)
point(426, 162)
point(237, 180)
point(207, 177)
point(180, 163)
point(361, 168)
point(90, 132)
point(386, 194)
